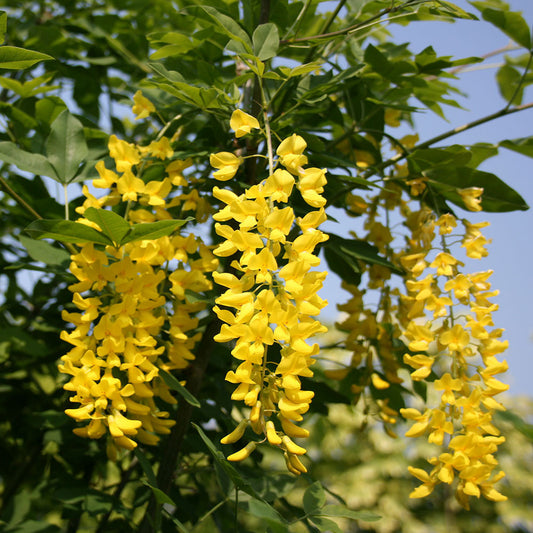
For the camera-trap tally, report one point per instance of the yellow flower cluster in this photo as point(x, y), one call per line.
point(458, 344)
point(271, 298)
point(370, 330)
point(134, 315)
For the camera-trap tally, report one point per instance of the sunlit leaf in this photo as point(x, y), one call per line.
point(30, 162)
point(510, 22)
point(266, 41)
point(12, 57)
point(66, 231)
point(152, 230)
point(111, 224)
point(66, 146)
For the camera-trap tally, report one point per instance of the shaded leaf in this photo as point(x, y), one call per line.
point(325, 524)
point(314, 498)
point(44, 252)
point(174, 384)
point(497, 195)
point(268, 515)
point(160, 496)
point(146, 466)
point(345, 267)
point(519, 423)
point(361, 250)
point(239, 482)
point(523, 146)
point(344, 512)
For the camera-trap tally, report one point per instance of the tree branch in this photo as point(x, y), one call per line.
point(430, 142)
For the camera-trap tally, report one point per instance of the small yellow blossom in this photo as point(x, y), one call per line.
point(142, 106)
point(242, 123)
point(471, 197)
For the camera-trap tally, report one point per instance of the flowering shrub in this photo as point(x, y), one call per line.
point(236, 161)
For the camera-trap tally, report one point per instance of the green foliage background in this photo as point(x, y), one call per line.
point(68, 73)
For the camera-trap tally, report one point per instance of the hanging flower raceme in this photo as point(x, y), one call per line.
point(134, 316)
point(458, 344)
point(371, 330)
point(271, 298)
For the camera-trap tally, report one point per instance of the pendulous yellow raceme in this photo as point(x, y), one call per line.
point(271, 296)
point(372, 330)
point(134, 318)
point(460, 346)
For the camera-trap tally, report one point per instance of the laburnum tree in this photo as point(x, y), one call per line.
point(178, 180)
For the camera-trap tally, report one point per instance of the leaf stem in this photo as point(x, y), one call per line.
point(19, 199)
point(65, 193)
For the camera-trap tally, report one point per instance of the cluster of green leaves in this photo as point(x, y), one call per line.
point(329, 76)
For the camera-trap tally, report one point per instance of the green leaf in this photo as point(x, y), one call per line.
point(174, 384)
point(239, 482)
point(3, 26)
point(47, 109)
point(66, 146)
point(519, 423)
point(314, 498)
point(160, 496)
point(12, 57)
point(302, 70)
point(325, 525)
point(510, 22)
point(96, 502)
point(176, 522)
point(428, 158)
point(146, 466)
point(344, 512)
point(509, 80)
point(266, 41)
point(153, 230)
point(44, 252)
point(523, 146)
point(231, 28)
point(66, 231)
point(345, 267)
point(111, 224)
point(361, 250)
point(34, 526)
point(497, 195)
point(172, 50)
point(27, 161)
point(266, 513)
